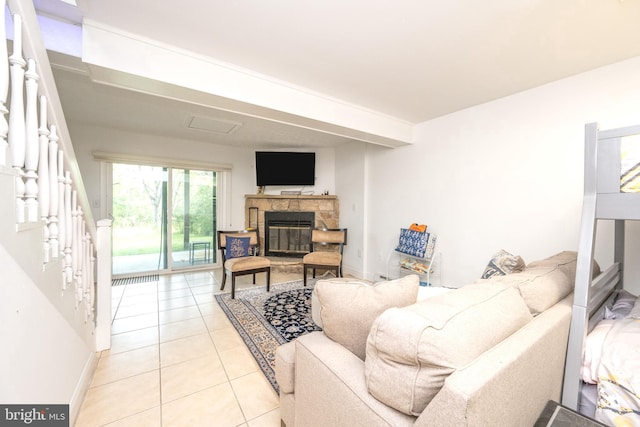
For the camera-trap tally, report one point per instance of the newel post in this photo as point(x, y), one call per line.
point(103, 275)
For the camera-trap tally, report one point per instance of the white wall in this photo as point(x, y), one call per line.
point(350, 182)
point(47, 344)
point(87, 140)
point(503, 175)
point(45, 358)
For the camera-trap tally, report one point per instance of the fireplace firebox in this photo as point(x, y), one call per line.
point(288, 233)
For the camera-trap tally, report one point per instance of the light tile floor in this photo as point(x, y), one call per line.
point(175, 360)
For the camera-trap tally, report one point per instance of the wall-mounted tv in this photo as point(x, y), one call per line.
point(285, 168)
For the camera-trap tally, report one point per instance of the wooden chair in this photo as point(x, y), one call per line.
point(241, 255)
point(326, 251)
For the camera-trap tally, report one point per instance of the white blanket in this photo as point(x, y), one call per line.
point(593, 351)
point(619, 375)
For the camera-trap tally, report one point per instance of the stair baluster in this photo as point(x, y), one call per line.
point(31, 142)
point(54, 198)
point(68, 226)
point(16, 134)
point(44, 199)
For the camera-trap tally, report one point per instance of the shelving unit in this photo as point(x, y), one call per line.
point(428, 269)
point(400, 264)
point(415, 254)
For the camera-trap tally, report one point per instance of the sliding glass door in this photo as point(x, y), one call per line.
point(193, 217)
point(164, 218)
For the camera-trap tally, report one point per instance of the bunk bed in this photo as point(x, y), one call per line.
point(611, 192)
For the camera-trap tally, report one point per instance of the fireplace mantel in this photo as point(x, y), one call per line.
point(326, 208)
point(290, 197)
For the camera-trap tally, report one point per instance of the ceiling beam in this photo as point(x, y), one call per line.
point(128, 61)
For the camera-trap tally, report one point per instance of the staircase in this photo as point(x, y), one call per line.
point(55, 303)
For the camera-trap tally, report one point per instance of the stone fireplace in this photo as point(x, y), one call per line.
point(285, 221)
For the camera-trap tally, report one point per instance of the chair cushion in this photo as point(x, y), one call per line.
point(329, 236)
point(322, 258)
point(237, 247)
point(412, 350)
point(246, 263)
point(348, 308)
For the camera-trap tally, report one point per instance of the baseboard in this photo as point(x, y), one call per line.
point(81, 388)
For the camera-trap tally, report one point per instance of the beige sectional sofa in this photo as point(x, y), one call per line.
point(490, 353)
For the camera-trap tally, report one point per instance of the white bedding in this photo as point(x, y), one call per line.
point(593, 351)
point(626, 305)
point(619, 374)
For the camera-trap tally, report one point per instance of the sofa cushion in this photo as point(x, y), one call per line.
point(540, 287)
point(286, 367)
point(565, 261)
point(315, 304)
point(543, 283)
point(347, 308)
point(412, 350)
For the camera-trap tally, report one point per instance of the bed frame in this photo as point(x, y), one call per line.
point(603, 200)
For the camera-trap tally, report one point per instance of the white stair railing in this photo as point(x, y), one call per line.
point(4, 91)
point(46, 187)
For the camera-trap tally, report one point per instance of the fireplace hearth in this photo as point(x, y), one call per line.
point(288, 233)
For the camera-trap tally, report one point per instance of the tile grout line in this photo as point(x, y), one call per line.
point(235, 396)
point(167, 287)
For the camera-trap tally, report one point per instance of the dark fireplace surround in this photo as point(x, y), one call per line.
point(288, 233)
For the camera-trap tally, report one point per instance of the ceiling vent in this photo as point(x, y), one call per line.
point(224, 127)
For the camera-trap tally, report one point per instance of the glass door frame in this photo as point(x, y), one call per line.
point(223, 205)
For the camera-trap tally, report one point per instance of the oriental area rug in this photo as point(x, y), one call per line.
point(267, 320)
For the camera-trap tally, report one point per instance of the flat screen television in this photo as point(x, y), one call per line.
point(285, 168)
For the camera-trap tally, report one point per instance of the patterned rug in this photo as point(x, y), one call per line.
point(267, 320)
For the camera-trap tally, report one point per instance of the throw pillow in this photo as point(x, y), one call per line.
point(412, 242)
point(622, 306)
point(635, 311)
point(418, 227)
point(348, 309)
point(503, 263)
point(237, 247)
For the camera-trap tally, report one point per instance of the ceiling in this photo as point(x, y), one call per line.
point(414, 60)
